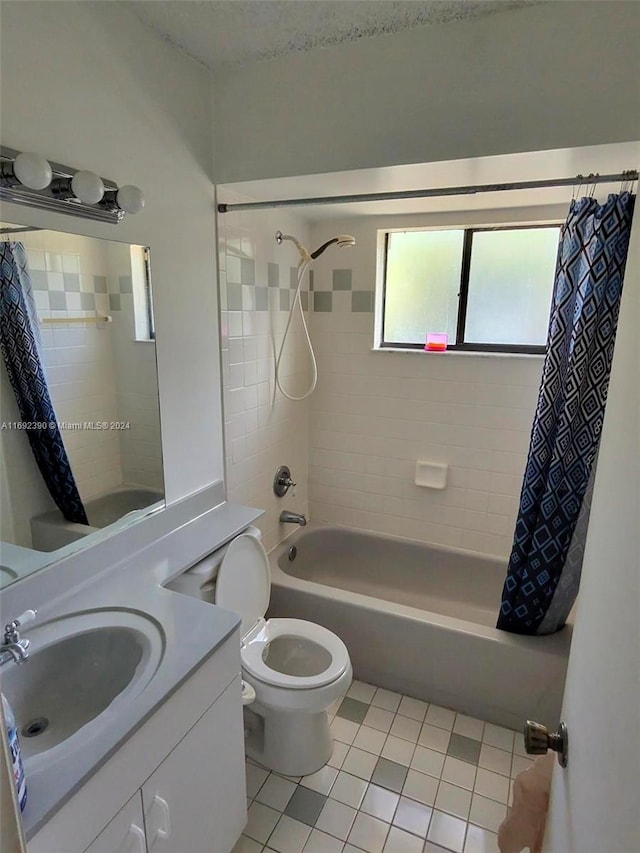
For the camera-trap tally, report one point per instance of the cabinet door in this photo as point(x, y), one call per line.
point(125, 833)
point(195, 802)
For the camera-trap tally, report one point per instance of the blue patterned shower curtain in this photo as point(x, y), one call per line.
point(542, 584)
point(20, 351)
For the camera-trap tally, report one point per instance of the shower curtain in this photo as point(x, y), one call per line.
point(19, 343)
point(546, 558)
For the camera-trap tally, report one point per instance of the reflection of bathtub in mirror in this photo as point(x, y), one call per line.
point(115, 509)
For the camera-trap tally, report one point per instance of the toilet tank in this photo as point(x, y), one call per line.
point(199, 581)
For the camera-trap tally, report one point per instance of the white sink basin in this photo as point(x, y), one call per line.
point(80, 671)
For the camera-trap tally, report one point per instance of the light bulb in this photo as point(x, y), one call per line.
point(130, 199)
point(32, 171)
point(87, 187)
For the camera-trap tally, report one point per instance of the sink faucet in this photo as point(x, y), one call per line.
point(12, 647)
point(287, 517)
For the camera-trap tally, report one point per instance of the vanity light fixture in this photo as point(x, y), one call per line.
point(29, 179)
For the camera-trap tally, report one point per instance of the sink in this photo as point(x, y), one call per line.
point(81, 670)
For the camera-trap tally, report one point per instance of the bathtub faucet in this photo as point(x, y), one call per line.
point(287, 517)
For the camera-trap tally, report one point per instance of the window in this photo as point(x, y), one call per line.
point(488, 289)
point(142, 297)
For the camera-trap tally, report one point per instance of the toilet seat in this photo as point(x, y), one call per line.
point(309, 642)
point(302, 654)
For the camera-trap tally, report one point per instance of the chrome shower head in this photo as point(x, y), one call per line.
point(341, 240)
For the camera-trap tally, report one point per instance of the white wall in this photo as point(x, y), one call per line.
point(87, 85)
point(376, 413)
point(552, 75)
point(594, 804)
point(263, 430)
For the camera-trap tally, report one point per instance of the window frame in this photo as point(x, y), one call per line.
point(463, 292)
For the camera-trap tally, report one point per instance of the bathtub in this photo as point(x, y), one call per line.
point(50, 530)
point(420, 619)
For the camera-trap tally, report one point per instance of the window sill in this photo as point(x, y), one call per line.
point(459, 353)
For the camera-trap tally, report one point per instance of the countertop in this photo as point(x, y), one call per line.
point(192, 630)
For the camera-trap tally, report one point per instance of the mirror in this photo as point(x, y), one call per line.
point(78, 353)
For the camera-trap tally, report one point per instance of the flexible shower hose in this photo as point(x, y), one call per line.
point(302, 268)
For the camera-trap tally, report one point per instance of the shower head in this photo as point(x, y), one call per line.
point(341, 240)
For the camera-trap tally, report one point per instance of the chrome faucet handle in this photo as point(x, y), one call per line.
point(11, 634)
point(283, 481)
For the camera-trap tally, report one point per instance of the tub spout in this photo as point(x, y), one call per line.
point(287, 517)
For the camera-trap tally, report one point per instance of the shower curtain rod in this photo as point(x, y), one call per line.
point(19, 230)
point(587, 180)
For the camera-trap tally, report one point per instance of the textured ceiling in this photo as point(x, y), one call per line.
point(222, 33)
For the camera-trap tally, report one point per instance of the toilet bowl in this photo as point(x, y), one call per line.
point(296, 668)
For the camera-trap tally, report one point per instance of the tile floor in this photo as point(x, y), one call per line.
point(405, 777)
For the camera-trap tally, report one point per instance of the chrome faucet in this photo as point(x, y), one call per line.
point(12, 647)
point(287, 517)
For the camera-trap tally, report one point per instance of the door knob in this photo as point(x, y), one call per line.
point(538, 741)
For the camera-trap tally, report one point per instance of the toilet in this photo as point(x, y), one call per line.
point(295, 668)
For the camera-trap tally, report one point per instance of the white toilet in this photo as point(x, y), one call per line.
point(296, 668)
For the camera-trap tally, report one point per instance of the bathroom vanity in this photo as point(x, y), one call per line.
point(144, 748)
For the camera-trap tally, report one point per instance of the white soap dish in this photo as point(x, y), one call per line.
point(431, 475)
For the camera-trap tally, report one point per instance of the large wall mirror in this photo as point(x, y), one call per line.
point(78, 354)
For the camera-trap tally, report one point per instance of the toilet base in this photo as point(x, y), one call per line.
point(294, 744)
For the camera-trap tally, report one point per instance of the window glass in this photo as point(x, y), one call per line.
point(422, 284)
point(510, 286)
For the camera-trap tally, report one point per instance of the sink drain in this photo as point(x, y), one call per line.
point(35, 727)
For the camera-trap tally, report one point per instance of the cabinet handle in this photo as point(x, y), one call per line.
point(164, 808)
point(139, 835)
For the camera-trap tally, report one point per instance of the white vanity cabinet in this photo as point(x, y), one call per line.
point(177, 785)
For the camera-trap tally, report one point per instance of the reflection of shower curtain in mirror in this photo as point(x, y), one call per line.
point(20, 351)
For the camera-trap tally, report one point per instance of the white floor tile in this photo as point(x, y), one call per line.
point(518, 744)
point(487, 813)
point(336, 819)
point(459, 773)
point(276, 792)
point(349, 789)
point(443, 718)
point(322, 780)
point(386, 699)
point(413, 817)
point(246, 845)
point(339, 754)
point(361, 691)
point(406, 728)
point(468, 726)
point(380, 803)
point(492, 785)
point(421, 787)
point(320, 842)
point(447, 831)
point(399, 841)
point(289, 836)
point(499, 737)
point(434, 737)
point(344, 730)
point(256, 777)
point(360, 763)
point(494, 759)
point(378, 718)
point(371, 740)
point(261, 821)
point(480, 840)
point(369, 833)
point(414, 708)
point(453, 800)
point(428, 761)
point(398, 750)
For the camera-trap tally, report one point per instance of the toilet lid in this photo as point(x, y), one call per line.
point(244, 580)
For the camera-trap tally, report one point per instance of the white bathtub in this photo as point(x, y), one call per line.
point(420, 620)
point(51, 530)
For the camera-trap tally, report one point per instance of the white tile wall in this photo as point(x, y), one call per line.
point(263, 430)
point(375, 413)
